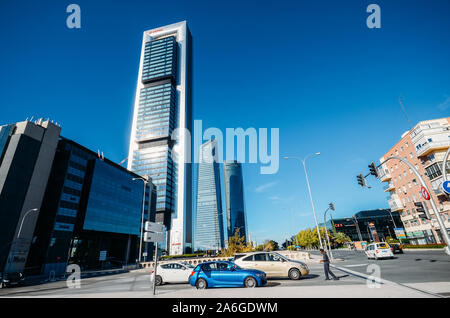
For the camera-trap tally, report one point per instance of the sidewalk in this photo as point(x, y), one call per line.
point(334, 291)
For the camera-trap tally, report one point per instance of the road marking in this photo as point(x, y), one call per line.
point(380, 280)
point(356, 265)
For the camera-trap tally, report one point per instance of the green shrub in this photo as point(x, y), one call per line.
point(424, 246)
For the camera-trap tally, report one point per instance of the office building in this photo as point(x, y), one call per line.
point(234, 196)
point(358, 226)
point(424, 147)
point(209, 218)
point(27, 150)
point(91, 213)
point(159, 146)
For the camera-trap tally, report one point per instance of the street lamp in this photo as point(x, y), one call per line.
point(23, 219)
point(309, 190)
point(145, 180)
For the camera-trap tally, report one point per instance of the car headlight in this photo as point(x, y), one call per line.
point(262, 275)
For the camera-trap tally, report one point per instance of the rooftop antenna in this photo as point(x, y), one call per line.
point(400, 100)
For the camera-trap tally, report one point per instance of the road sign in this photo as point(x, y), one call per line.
point(425, 193)
point(153, 237)
point(446, 187)
point(400, 233)
point(154, 227)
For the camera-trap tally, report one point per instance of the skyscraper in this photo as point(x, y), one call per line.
point(234, 193)
point(163, 104)
point(209, 221)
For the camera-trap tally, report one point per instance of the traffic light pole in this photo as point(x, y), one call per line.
point(433, 205)
point(326, 233)
point(444, 165)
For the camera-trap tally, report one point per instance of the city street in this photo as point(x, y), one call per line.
point(413, 274)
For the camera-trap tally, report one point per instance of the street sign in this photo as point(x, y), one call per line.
point(154, 227)
point(153, 237)
point(425, 193)
point(400, 233)
point(446, 187)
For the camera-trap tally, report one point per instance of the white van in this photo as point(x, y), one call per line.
point(379, 250)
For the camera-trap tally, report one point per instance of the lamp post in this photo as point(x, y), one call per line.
point(309, 190)
point(145, 181)
point(23, 219)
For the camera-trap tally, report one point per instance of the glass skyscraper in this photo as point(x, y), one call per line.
point(209, 219)
point(163, 109)
point(234, 194)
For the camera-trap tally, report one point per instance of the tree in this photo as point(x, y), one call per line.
point(236, 244)
point(341, 238)
point(270, 245)
point(310, 238)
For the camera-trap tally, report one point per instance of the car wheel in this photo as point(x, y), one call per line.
point(201, 284)
point(158, 280)
point(250, 282)
point(294, 274)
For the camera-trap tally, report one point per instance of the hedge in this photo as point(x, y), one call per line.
point(424, 246)
point(182, 256)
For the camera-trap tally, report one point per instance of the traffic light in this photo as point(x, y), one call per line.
point(361, 180)
point(422, 208)
point(332, 206)
point(373, 170)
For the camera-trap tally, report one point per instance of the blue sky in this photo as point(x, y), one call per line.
point(310, 68)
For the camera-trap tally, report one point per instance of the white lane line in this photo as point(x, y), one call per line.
point(356, 265)
point(380, 280)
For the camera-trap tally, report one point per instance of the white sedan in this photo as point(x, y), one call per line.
point(174, 272)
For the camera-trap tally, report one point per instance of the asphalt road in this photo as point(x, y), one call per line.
point(411, 267)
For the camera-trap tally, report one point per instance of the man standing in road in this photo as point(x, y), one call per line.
point(326, 265)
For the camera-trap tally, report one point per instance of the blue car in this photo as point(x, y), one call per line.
point(225, 274)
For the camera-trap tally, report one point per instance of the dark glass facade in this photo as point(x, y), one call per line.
point(234, 195)
point(115, 201)
point(91, 205)
point(357, 227)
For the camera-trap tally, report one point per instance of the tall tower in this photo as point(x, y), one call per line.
point(159, 146)
point(209, 221)
point(234, 195)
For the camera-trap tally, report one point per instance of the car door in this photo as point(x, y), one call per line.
point(225, 275)
point(261, 263)
point(275, 265)
point(179, 272)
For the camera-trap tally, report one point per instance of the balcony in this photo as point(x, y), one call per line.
point(428, 147)
point(389, 187)
point(385, 177)
point(395, 203)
